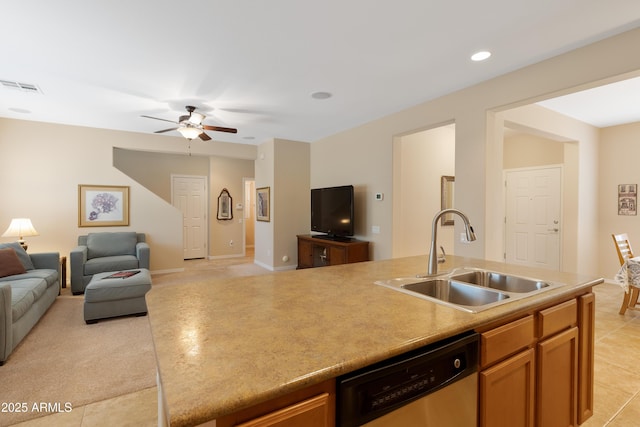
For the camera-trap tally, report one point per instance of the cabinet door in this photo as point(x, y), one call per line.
point(305, 254)
point(557, 381)
point(337, 255)
point(313, 412)
point(586, 324)
point(507, 392)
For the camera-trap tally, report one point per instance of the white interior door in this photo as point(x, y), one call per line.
point(189, 194)
point(533, 217)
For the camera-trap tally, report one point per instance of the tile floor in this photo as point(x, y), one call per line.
point(617, 381)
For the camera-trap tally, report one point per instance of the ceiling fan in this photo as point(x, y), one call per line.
point(190, 125)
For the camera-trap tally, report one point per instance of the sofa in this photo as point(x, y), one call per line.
point(29, 284)
point(104, 252)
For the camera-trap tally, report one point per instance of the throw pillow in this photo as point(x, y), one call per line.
point(23, 256)
point(9, 263)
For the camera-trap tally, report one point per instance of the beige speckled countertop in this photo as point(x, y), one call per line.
point(223, 345)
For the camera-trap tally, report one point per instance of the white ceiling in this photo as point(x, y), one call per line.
point(253, 64)
point(609, 105)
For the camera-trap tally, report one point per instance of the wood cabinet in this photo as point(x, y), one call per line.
point(310, 407)
point(319, 252)
point(557, 378)
point(586, 341)
point(538, 370)
point(507, 376)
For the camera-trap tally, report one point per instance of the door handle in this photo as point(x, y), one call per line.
point(555, 230)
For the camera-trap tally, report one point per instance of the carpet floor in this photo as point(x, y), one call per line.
point(63, 362)
point(66, 363)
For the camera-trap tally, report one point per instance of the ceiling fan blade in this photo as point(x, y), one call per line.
point(165, 130)
point(220, 129)
point(156, 118)
point(203, 136)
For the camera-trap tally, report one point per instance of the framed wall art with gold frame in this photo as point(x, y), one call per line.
point(103, 205)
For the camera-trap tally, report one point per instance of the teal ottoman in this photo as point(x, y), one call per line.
point(116, 293)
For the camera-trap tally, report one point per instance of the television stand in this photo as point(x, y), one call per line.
point(334, 238)
point(323, 250)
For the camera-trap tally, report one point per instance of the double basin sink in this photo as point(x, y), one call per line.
point(471, 290)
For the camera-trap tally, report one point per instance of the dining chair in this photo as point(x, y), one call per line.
point(623, 247)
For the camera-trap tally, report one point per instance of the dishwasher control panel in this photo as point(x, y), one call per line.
point(378, 389)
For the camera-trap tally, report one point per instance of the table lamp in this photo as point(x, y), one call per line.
point(20, 228)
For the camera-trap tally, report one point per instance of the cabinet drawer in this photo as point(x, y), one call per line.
point(557, 318)
point(312, 412)
point(506, 340)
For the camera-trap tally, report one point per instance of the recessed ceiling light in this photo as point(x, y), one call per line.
point(321, 95)
point(481, 56)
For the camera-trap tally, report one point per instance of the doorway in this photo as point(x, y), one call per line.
point(189, 195)
point(532, 217)
point(420, 160)
point(249, 215)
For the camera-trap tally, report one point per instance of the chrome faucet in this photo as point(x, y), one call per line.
point(433, 252)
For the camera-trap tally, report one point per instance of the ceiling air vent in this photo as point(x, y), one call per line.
point(24, 87)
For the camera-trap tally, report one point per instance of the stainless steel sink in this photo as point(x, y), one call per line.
point(500, 281)
point(455, 292)
point(469, 289)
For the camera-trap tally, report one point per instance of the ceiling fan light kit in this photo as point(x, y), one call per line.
point(196, 118)
point(190, 126)
point(190, 132)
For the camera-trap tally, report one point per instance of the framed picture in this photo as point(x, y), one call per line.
point(447, 184)
point(627, 199)
point(262, 204)
point(225, 211)
point(103, 206)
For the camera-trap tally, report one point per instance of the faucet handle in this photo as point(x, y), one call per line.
point(442, 258)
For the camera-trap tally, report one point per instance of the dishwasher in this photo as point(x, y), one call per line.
point(433, 386)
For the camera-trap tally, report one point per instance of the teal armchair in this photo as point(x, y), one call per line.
point(102, 252)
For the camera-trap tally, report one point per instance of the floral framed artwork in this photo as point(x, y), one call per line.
point(103, 206)
point(262, 204)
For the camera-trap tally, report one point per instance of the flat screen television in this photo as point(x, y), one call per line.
point(332, 211)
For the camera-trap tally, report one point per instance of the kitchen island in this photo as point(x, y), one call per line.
point(226, 345)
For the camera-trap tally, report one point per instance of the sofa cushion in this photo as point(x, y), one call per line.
point(50, 276)
point(111, 263)
point(110, 244)
point(21, 301)
point(37, 286)
point(23, 256)
point(9, 263)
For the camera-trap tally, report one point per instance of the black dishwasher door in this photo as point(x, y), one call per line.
point(379, 389)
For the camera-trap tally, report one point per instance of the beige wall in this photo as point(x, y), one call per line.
point(526, 150)
point(422, 159)
point(619, 153)
point(291, 199)
point(225, 236)
point(153, 170)
point(363, 155)
point(283, 166)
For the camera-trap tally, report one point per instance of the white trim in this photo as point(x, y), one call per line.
point(212, 257)
point(171, 270)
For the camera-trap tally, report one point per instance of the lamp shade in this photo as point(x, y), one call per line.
point(189, 132)
point(20, 227)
